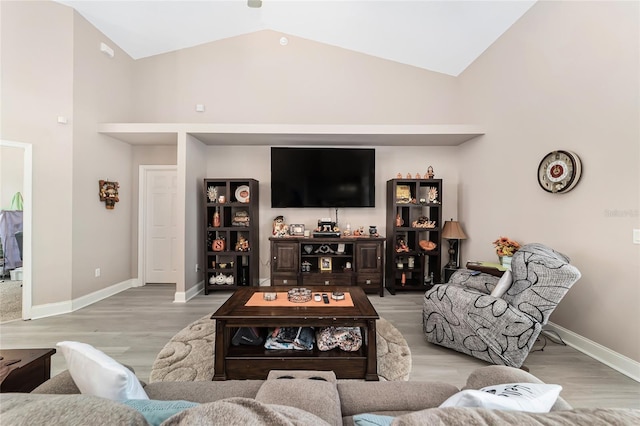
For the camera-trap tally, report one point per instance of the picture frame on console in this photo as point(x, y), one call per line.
point(325, 264)
point(297, 229)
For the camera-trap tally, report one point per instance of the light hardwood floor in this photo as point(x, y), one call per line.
point(134, 325)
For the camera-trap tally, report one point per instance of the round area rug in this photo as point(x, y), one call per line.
point(188, 356)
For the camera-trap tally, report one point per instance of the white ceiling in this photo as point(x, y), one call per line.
point(444, 36)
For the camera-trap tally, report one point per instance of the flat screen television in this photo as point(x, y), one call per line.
point(323, 177)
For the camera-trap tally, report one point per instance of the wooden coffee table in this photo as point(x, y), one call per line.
point(33, 369)
point(255, 362)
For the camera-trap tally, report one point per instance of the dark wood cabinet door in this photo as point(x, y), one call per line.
point(369, 257)
point(285, 257)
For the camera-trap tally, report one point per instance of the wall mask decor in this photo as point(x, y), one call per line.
point(109, 193)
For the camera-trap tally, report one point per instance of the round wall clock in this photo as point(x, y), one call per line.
point(559, 171)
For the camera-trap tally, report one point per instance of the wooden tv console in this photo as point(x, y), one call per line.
point(344, 261)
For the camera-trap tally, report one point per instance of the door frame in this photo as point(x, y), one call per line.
point(27, 218)
point(142, 214)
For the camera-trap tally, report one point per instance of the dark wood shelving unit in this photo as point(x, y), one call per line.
point(239, 217)
point(409, 201)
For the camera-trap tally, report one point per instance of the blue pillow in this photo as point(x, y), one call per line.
point(156, 411)
point(368, 419)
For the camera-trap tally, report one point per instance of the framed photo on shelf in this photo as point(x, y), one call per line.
point(325, 263)
point(296, 229)
point(403, 194)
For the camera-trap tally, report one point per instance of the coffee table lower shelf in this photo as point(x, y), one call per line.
point(255, 362)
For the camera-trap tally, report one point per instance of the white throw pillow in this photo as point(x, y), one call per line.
point(97, 374)
point(530, 397)
point(503, 284)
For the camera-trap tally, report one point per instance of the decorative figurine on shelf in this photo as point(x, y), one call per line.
point(399, 221)
point(359, 232)
point(408, 175)
point(216, 218)
point(242, 244)
point(401, 245)
point(218, 244)
point(373, 231)
point(347, 231)
point(212, 194)
point(280, 228)
point(432, 194)
point(399, 175)
point(430, 173)
point(418, 176)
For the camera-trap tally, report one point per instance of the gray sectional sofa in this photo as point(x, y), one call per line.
point(295, 398)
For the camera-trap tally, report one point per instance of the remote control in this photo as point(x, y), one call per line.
point(474, 273)
point(325, 298)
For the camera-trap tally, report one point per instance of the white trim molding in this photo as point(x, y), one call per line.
point(184, 297)
point(52, 309)
point(618, 362)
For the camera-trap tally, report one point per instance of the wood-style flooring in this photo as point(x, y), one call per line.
point(133, 326)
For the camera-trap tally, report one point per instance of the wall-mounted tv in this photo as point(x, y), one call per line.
point(323, 177)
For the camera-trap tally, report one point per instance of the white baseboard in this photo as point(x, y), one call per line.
point(51, 309)
point(617, 361)
point(183, 297)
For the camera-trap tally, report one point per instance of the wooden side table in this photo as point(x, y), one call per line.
point(33, 369)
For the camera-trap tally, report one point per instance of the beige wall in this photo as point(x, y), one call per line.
point(101, 237)
point(52, 67)
point(253, 79)
point(191, 165)
point(564, 77)
point(37, 82)
point(11, 174)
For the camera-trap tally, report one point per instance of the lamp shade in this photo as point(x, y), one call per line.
point(453, 231)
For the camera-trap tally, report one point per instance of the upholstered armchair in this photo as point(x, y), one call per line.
point(463, 315)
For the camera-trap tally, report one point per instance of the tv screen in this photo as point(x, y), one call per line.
point(322, 177)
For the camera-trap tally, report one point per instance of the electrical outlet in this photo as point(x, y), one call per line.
point(97, 272)
point(197, 267)
point(636, 236)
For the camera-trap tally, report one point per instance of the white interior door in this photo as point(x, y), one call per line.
point(160, 226)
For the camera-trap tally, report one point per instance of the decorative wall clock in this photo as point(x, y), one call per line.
point(559, 171)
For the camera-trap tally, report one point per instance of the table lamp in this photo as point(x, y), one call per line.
point(453, 232)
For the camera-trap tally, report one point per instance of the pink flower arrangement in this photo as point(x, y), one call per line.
point(506, 246)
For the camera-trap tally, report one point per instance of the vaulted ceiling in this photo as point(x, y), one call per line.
point(444, 36)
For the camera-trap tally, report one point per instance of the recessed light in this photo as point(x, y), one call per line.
point(284, 41)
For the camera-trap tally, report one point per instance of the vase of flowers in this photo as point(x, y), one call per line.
point(505, 249)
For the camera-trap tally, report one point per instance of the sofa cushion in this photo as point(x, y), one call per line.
point(503, 284)
point(156, 412)
point(496, 374)
point(243, 411)
point(530, 397)
point(484, 416)
point(357, 397)
point(95, 373)
point(319, 397)
point(45, 410)
point(203, 392)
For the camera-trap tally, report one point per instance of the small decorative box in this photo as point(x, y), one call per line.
point(299, 295)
